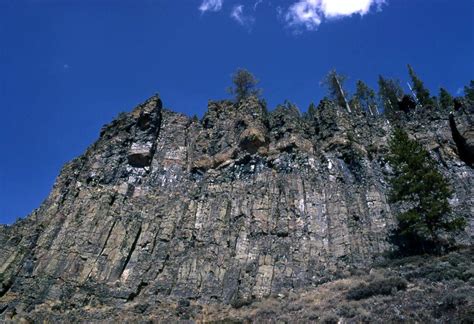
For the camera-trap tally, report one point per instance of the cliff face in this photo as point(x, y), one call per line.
point(243, 204)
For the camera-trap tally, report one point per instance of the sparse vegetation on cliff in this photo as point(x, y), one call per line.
point(387, 102)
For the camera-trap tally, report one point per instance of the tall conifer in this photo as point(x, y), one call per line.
point(422, 194)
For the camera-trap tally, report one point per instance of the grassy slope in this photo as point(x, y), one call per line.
point(423, 289)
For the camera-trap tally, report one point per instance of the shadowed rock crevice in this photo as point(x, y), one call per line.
point(465, 146)
point(130, 252)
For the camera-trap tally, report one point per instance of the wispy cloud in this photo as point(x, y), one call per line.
point(238, 15)
point(211, 5)
point(300, 14)
point(309, 14)
point(304, 13)
point(256, 4)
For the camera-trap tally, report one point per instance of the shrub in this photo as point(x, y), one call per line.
point(377, 287)
point(330, 319)
point(348, 311)
point(240, 302)
point(453, 301)
point(266, 314)
point(441, 271)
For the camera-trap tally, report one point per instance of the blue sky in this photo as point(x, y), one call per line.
point(69, 66)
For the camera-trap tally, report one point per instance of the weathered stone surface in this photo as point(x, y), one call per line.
point(242, 205)
point(251, 139)
point(140, 155)
point(463, 135)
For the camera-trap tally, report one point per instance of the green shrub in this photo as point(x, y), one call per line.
point(313, 316)
point(377, 287)
point(466, 316)
point(330, 319)
point(228, 321)
point(441, 271)
point(266, 314)
point(240, 302)
point(453, 301)
point(348, 311)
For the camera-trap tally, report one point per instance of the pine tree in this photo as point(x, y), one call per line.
point(245, 85)
point(290, 106)
point(335, 84)
point(422, 94)
point(390, 93)
point(365, 98)
point(445, 99)
point(435, 102)
point(312, 109)
point(469, 92)
point(422, 193)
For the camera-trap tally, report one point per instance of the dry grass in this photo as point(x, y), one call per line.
point(435, 289)
point(417, 289)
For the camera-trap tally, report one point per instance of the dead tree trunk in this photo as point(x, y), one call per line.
point(341, 93)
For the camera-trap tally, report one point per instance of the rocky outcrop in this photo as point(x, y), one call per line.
point(241, 205)
point(464, 142)
point(148, 126)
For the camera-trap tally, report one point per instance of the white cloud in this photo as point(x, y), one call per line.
point(304, 13)
point(301, 14)
point(238, 15)
point(211, 5)
point(311, 13)
point(338, 8)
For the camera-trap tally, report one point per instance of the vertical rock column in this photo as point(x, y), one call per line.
point(148, 126)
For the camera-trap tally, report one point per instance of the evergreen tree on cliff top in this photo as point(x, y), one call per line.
point(446, 101)
point(469, 92)
point(422, 193)
point(390, 93)
point(365, 98)
point(245, 85)
point(335, 85)
point(422, 94)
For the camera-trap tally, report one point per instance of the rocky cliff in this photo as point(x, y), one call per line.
point(239, 206)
